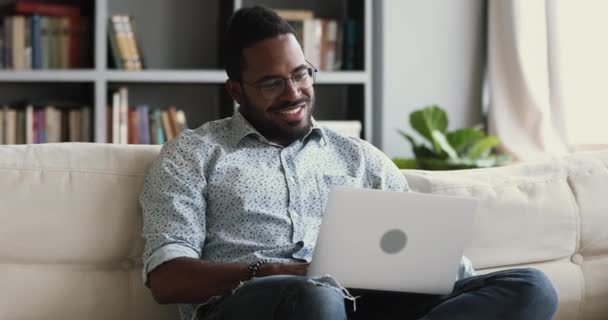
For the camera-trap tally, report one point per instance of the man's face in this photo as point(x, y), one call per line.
point(286, 115)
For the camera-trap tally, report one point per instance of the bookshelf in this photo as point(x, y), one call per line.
point(180, 44)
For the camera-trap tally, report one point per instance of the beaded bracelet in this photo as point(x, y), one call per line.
point(253, 268)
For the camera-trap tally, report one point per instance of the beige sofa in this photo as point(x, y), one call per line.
point(70, 229)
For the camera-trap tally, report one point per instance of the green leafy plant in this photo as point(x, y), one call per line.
point(459, 149)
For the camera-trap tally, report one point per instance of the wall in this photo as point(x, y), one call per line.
point(433, 52)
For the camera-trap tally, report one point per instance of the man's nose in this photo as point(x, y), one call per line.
point(291, 90)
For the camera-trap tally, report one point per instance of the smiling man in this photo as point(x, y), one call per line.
point(232, 209)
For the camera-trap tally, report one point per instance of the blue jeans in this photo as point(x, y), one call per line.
point(510, 294)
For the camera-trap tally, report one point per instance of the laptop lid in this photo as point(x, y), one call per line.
point(394, 241)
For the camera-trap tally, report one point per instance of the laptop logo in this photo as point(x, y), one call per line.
point(393, 241)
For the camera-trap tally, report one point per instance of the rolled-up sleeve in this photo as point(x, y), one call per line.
point(173, 205)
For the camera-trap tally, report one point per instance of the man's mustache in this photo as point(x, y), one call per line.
point(287, 104)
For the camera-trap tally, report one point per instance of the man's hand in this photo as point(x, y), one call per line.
point(269, 269)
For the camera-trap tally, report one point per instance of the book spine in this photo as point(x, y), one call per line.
point(41, 126)
point(160, 134)
point(18, 42)
point(45, 42)
point(11, 126)
point(64, 42)
point(2, 124)
point(47, 9)
point(116, 117)
point(121, 42)
point(29, 124)
point(133, 56)
point(166, 122)
point(36, 43)
point(144, 125)
point(133, 126)
point(8, 42)
point(85, 124)
point(124, 115)
point(20, 126)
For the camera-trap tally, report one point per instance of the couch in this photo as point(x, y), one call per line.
point(70, 225)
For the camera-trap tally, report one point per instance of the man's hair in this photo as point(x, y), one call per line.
point(247, 27)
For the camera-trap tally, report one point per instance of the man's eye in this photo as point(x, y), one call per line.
point(271, 84)
point(300, 76)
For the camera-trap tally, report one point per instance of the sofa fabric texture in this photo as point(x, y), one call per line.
point(70, 228)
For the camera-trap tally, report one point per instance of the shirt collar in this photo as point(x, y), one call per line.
point(241, 128)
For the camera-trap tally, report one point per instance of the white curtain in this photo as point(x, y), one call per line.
point(545, 74)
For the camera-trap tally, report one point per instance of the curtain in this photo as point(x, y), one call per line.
point(521, 112)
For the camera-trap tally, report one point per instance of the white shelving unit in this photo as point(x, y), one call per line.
point(190, 73)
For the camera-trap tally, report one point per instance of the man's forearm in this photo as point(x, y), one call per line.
point(189, 280)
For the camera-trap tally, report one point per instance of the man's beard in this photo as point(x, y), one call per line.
point(271, 130)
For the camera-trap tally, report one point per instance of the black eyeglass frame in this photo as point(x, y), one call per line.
point(312, 72)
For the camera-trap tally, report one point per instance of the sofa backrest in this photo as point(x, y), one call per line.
point(551, 215)
point(70, 233)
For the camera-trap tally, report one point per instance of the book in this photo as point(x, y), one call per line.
point(11, 126)
point(350, 40)
point(181, 120)
point(27, 52)
point(157, 127)
point(85, 126)
point(45, 8)
point(45, 42)
point(20, 126)
point(2, 124)
point(133, 54)
point(296, 19)
point(71, 12)
point(172, 112)
point(166, 124)
point(133, 126)
point(63, 42)
point(29, 124)
point(41, 126)
point(115, 117)
point(18, 42)
point(53, 124)
point(36, 42)
point(312, 41)
point(54, 43)
point(75, 125)
point(144, 124)
point(124, 115)
point(125, 52)
point(113, 37)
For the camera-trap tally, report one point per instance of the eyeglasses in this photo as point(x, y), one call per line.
point(272, 88)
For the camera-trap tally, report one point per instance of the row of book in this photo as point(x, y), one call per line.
point(38, 35)
point(141, 124)
point(328, 43)
point(125, 50)
point(34, 124)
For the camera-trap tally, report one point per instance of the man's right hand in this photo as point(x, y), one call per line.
point(270, 269)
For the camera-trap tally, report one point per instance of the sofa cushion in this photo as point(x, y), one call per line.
point(70, 226)
point(552, 215)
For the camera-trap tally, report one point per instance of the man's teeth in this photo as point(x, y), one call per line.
point(294, 111)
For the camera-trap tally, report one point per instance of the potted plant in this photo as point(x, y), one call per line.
point(464, 148)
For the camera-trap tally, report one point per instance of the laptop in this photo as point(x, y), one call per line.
point(393, 241)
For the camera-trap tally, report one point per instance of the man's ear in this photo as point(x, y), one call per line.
point(235, 90)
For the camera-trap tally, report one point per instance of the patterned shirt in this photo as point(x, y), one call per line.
point(224, 193)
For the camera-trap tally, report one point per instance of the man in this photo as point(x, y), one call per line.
point(232, 209)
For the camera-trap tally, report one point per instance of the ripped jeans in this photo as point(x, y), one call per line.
point(509, 294)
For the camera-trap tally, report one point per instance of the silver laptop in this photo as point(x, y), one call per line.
point(393, 241)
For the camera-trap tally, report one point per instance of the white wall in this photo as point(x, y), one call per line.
point(427, 52)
